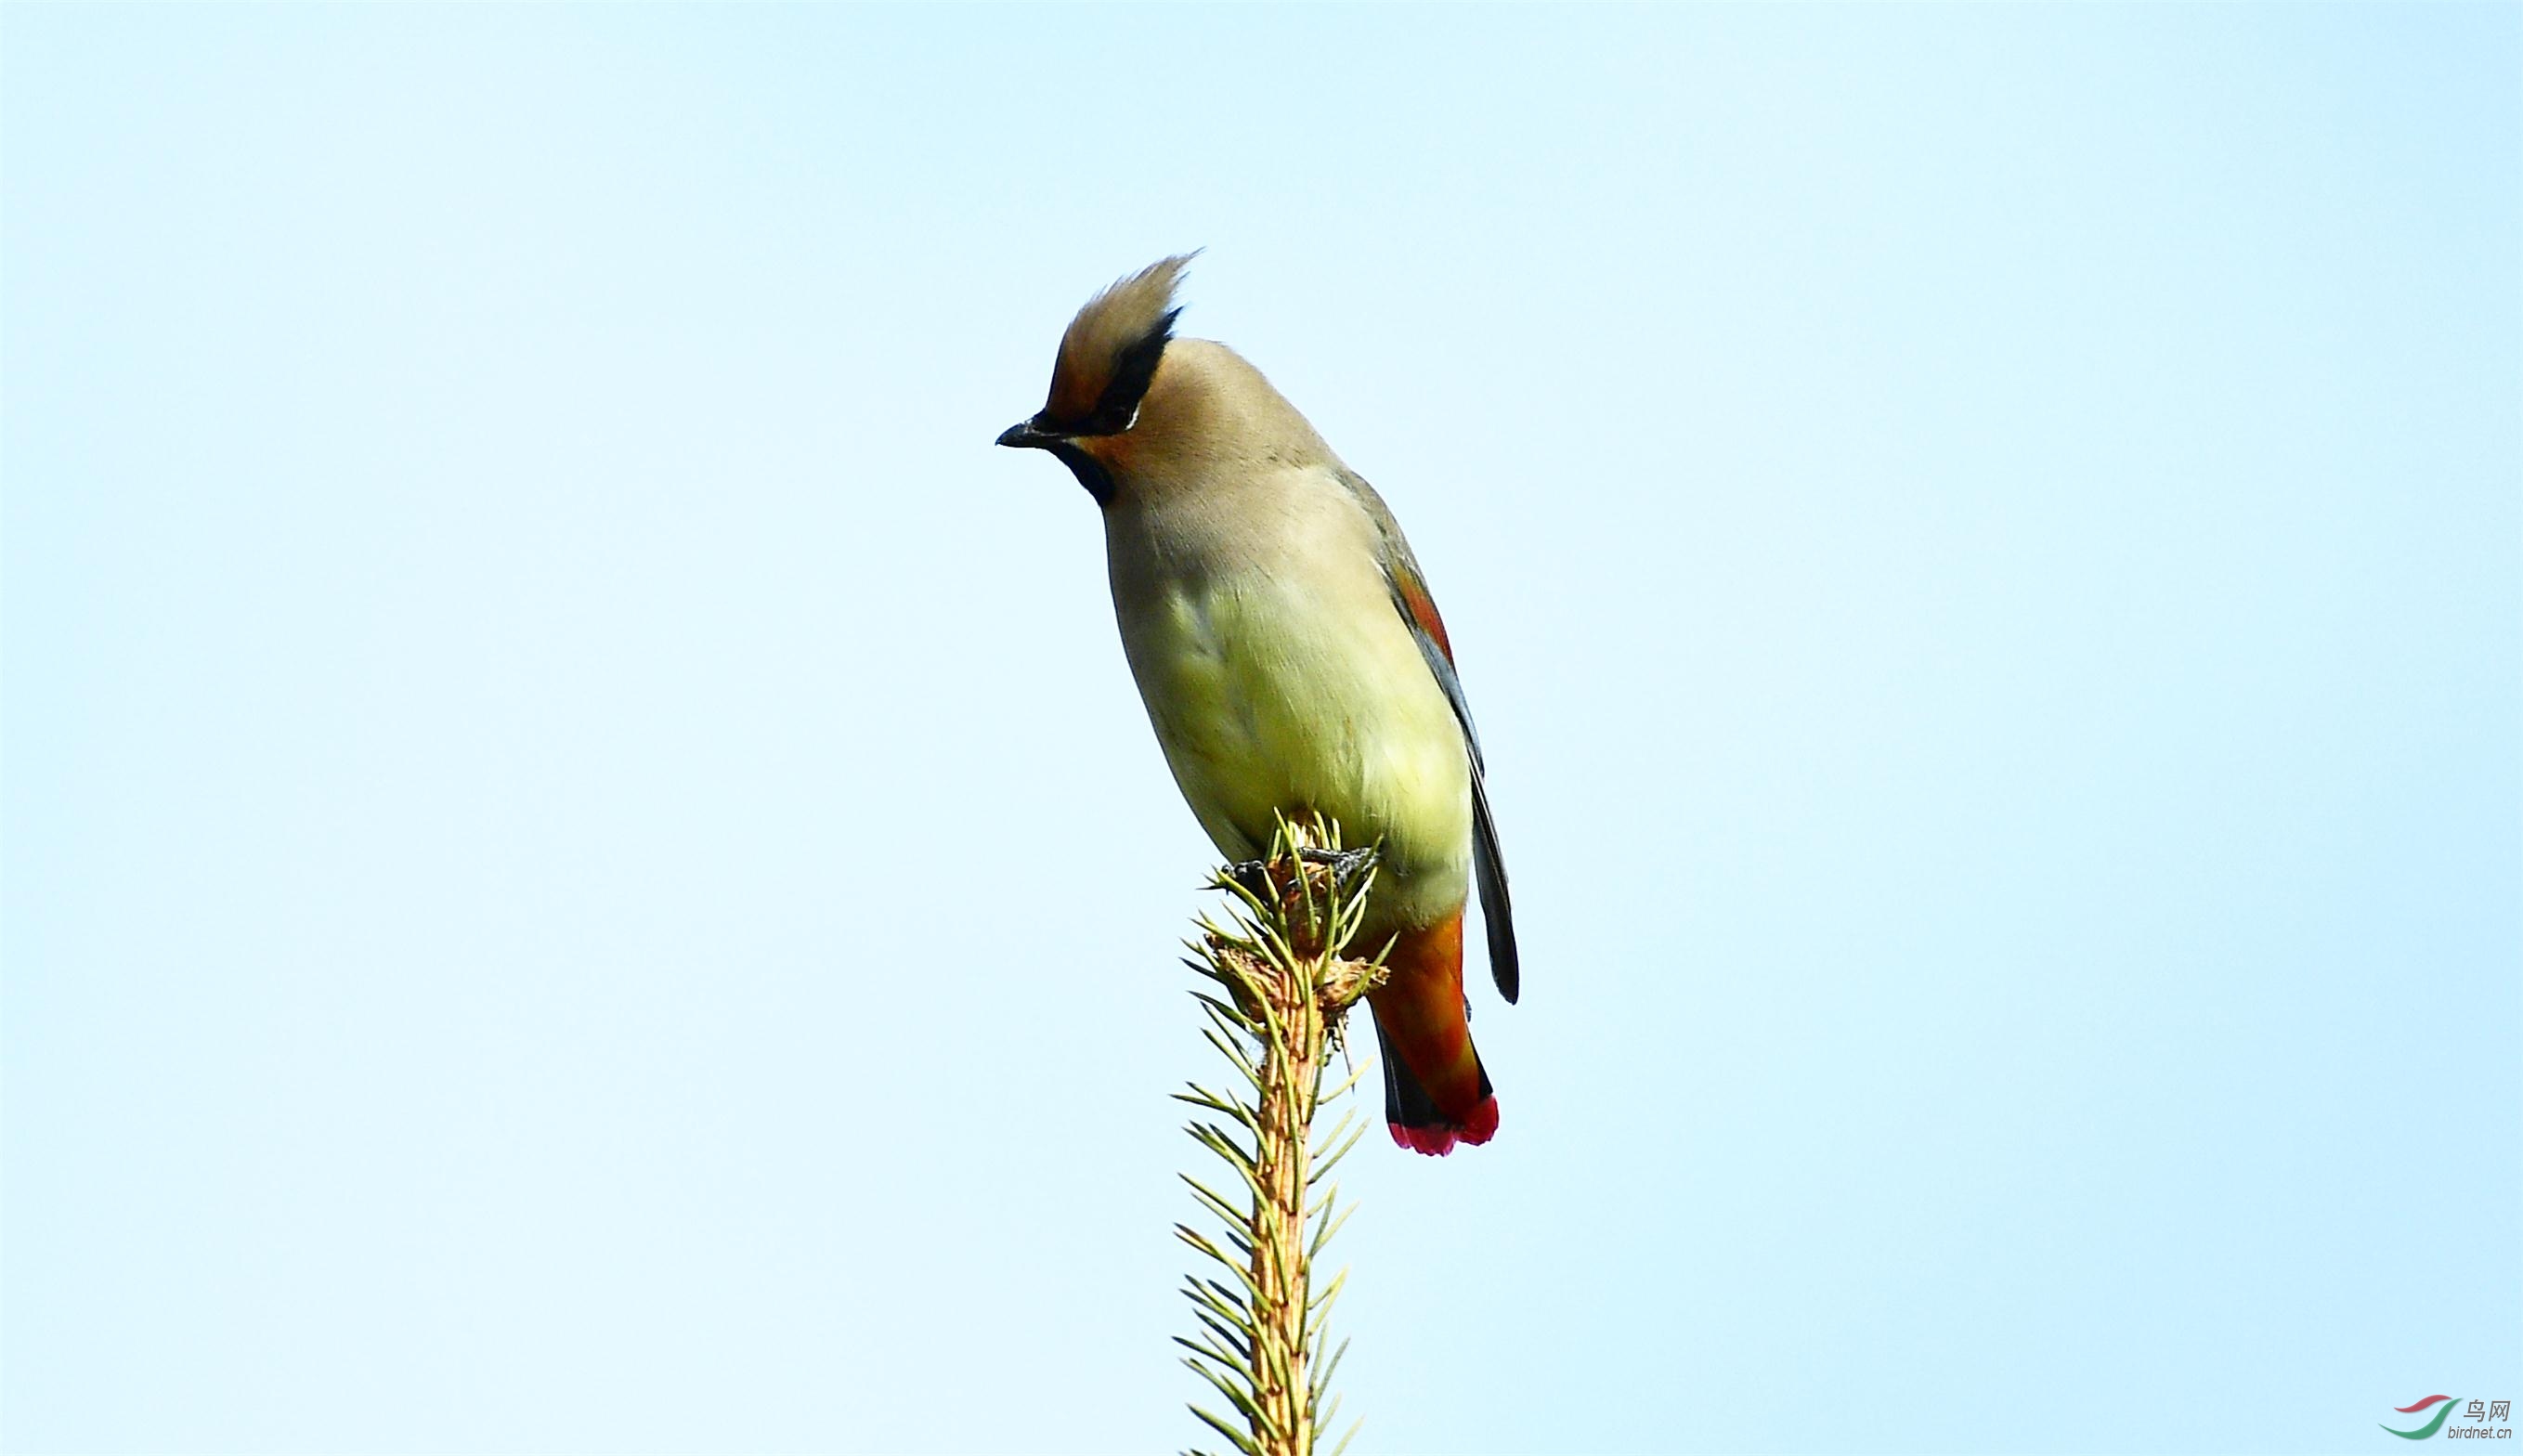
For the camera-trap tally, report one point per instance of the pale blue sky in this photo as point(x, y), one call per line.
point(584, 872)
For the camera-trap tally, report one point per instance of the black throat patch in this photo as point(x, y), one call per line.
point(1090, 472)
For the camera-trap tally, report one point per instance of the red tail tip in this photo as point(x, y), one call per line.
point(1437, 1142)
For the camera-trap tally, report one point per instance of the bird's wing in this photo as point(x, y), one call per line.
point(1419, 610)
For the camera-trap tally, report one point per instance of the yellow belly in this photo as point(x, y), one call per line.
point(1267, 696)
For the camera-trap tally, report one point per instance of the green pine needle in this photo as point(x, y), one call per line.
point(1281, 962)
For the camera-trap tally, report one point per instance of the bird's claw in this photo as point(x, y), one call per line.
point(1349, 866)
point(1254, 876)
point(1348, 869)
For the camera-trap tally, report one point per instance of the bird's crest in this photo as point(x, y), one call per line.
point(1110, 351)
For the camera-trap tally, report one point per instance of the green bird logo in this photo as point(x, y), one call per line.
point(2431, 1426)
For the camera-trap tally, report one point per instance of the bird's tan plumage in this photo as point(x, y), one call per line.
point(1101, 336)
point(1263, 633)
point(1289, 656)
point(1208, 418)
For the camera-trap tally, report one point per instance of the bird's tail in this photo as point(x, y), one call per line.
point(1436, 1093)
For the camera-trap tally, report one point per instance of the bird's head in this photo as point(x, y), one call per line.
point(1107, 360)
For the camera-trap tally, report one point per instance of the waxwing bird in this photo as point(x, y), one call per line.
point(1291, 660)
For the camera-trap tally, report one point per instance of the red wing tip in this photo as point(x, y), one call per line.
point(1439, 1140)
point(2421, 1405)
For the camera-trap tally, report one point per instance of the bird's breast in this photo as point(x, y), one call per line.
point(1279, 677)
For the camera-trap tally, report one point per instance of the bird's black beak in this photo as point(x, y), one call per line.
point(1061, 442)
point(1025, 434)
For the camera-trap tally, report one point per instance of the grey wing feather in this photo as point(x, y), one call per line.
point(1489, 869)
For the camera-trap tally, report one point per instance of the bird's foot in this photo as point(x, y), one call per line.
point(1347, 871)
point(1349, 866)
point(1254, 877)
